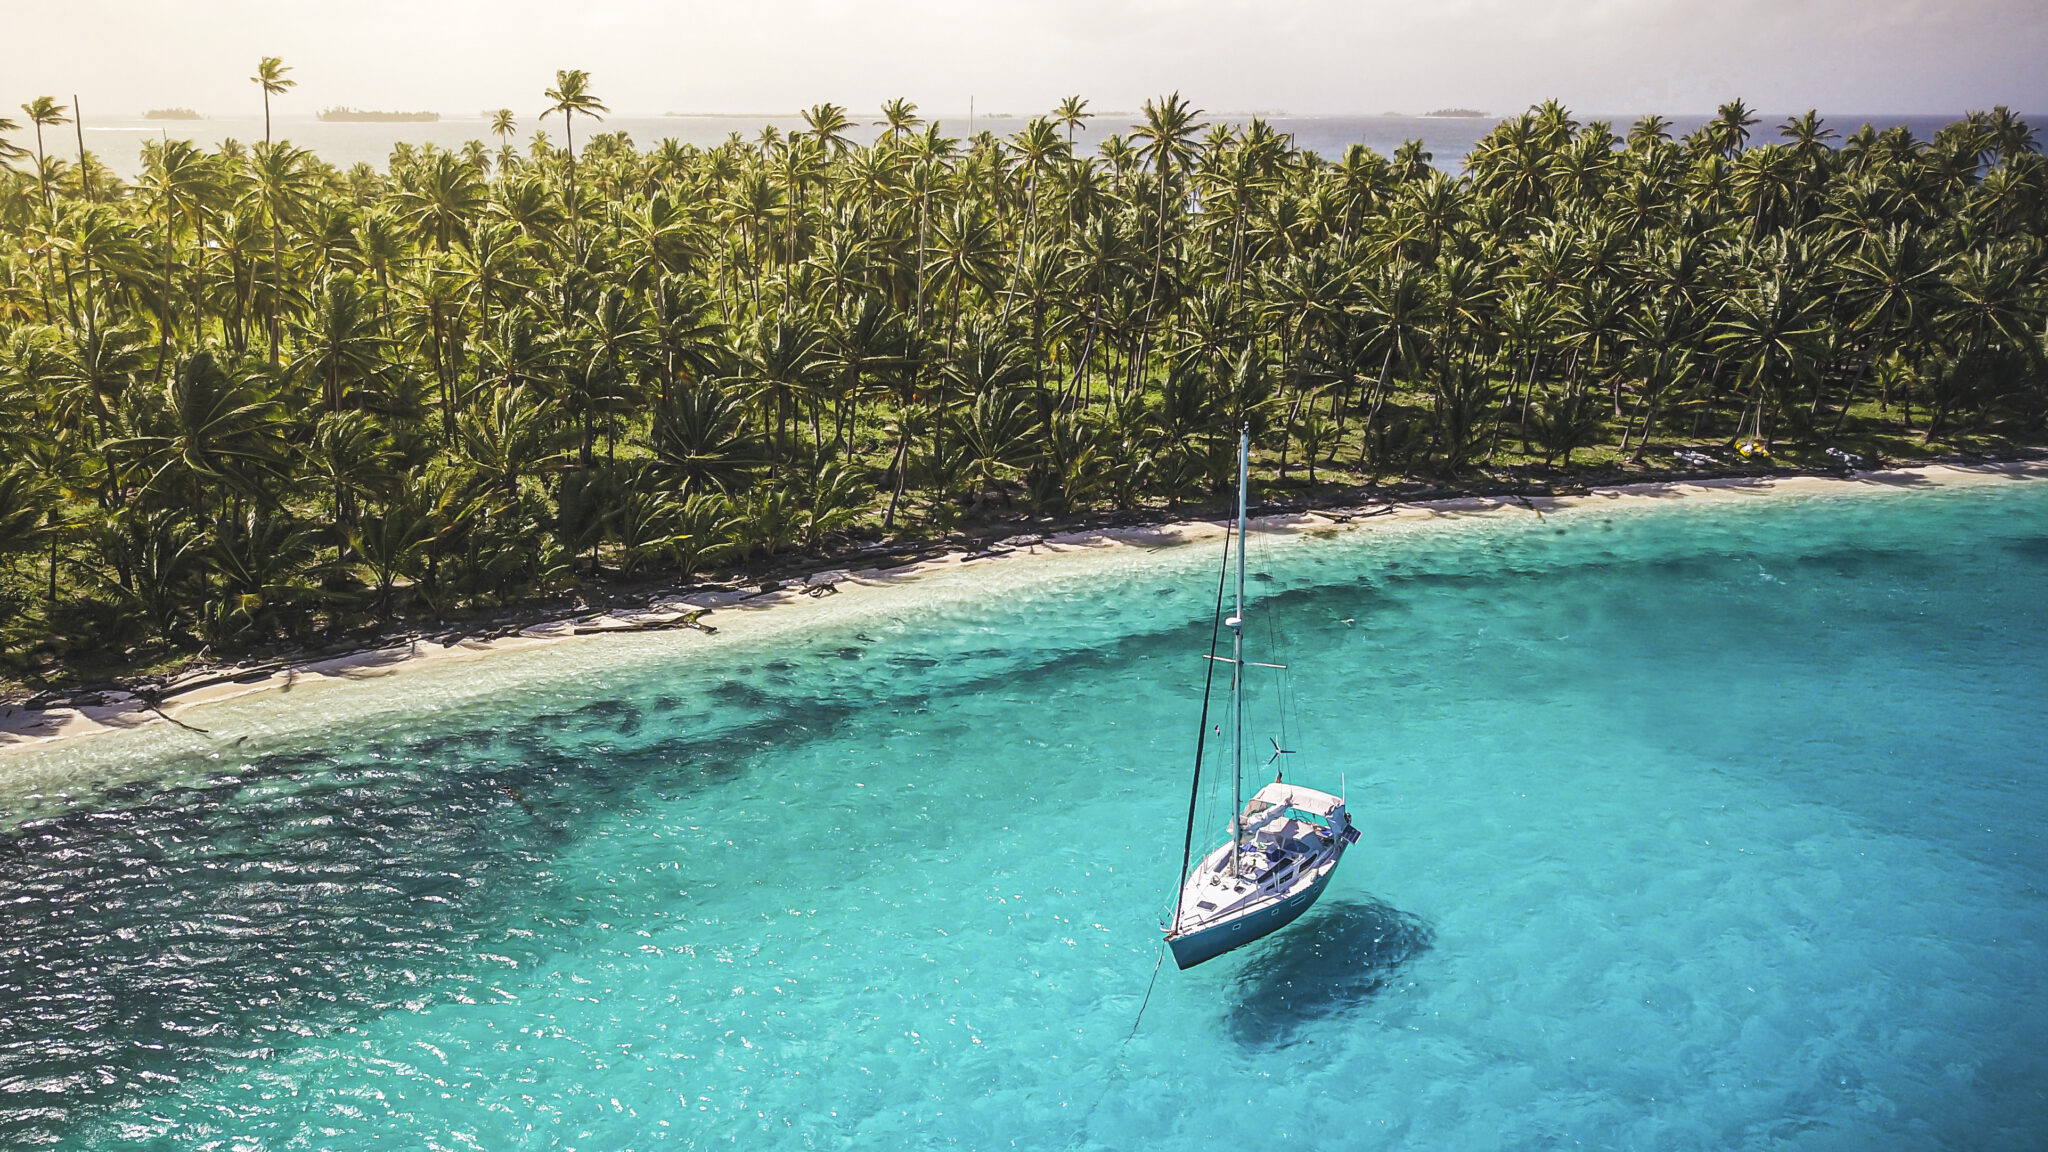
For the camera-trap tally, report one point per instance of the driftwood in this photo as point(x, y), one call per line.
point(693, 620)
point(157, 708)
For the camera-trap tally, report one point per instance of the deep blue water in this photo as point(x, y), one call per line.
point(1699, 825)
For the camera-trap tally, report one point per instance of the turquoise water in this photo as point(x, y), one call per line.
point(1713, 824)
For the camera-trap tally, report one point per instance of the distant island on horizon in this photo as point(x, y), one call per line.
point(358, 116)
point(172, 114)
point(1456, 114)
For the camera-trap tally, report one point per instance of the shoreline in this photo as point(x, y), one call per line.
point(85, 712)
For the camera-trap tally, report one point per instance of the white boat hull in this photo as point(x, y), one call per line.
point(1294, 839)
point(1192, 948)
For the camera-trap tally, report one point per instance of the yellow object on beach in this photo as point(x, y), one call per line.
point(1752, 448)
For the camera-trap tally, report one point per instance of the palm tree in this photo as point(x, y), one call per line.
point(1648, 131)
point(282, 183)
point(785, 366)
point(1767, 183)
point(966, 325)
point(213, 433)
point(834, 498)
point(1987, 316)
point(1527, 317)
point(866, 339)
point(1661, 335)
point(1769, 332)
point(702, 440)
point(1169, 135)
point(1071, 114)
point(179, 175)
point(968, 250)
point(1809, 135)
point(270, 76)
point(94, 372)
point(1398, 313)
point(10, 152)
point(391, 544)
point(998, 437)
point(2010, 136)
point(1038, 147)
point(1889, 285)
point(504, 124)
point(440, 199)
point(340, 343)
point(26, 500)
point(828, 125)
point(1727, 132)
point(1305, 294)
point(44, 111)
point(900, 116)
point(571, 96)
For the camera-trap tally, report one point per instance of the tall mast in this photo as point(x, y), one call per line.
point(1244, 451)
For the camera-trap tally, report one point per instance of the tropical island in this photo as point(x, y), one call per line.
point(266, 403)
point(1456, 114)
point(358, 116)
point(172, 114)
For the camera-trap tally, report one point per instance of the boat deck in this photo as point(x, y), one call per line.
point(1288, 848)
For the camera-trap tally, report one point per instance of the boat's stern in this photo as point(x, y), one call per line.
point(1325, 812)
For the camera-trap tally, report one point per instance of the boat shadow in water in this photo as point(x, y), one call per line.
point(1337, 958)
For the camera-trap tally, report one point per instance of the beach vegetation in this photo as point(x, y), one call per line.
point(249, 399)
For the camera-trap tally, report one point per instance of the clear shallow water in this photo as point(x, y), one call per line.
point(1706, 825)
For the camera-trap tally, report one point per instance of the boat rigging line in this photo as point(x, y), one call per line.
point(1187, 848)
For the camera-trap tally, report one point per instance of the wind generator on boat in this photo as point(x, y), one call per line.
point(1284, 844)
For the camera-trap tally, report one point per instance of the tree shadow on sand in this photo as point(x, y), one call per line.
point(1339, 957)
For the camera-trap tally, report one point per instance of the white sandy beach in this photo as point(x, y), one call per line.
point(743, 614)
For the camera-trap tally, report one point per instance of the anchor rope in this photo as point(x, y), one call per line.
point(1109, 1082)
point(1149, 985)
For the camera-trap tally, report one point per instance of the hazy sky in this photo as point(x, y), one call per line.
point(1304, 56)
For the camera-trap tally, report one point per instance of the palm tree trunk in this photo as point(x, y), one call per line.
point(276, 286)
point(1649, 420)
point(1379, 400)
point(1501, 417)
point(1848, 398)
point(1629, 429)
point(163, 342)
point(902, 469)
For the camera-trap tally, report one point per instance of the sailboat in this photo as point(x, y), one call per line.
point(1284, 843)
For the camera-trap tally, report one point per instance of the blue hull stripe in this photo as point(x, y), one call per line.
point(1194, 947)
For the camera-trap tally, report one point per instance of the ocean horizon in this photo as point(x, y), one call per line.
point(118, 140)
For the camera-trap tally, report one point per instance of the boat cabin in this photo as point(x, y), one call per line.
point(1291, 841)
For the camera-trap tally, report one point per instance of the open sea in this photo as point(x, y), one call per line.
point(118, 140)
point(1699, 824)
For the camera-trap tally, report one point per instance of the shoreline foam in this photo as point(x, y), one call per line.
point(25, 729)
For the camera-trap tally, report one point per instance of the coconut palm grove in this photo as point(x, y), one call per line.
point(248, 398)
